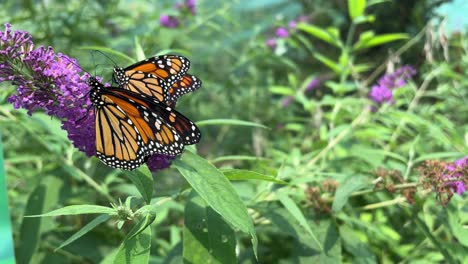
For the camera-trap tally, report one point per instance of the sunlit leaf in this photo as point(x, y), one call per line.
point(217, 191)
point(207, 238)
point(234, 174)
point(232, 122)
point(344, 191)
point(85, 229)
point(78, 209)
point(143, 181)
point(356, 8)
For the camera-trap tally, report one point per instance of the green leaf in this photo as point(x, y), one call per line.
point(281, 90)
point(319, 33)
point(78, 209)
point(454, 220)
point(301, 243)
point(90, 226)
point(361, 251)
point(438, 155)
point(143, 181)
point(294, 210)
point(148, 219)
point(140, 54)
point(237, 157)
point(207, 238)
point(43, 197)
point(110, 51)
point(344, 191)
point(356, 8)
point(328, 62)
point(232, 122)
point(233, 174)
point(31, 228)
point(217, 192)
point(378, 40)
point(135, 249)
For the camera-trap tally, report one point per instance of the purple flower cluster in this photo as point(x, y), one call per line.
point(48, 81)
point(186, 7)
point(382, 92)
point(284, 32)
point(54, 83)
point(455, 178)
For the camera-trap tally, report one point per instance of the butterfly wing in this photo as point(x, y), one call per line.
point(163, 77)
point(188, 83)
point(131, 127)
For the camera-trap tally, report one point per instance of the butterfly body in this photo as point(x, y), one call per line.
point(130, 126)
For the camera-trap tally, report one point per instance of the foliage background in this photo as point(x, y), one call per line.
point(320, 135)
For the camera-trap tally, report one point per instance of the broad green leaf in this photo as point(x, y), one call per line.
point(437, 155)
point(90, 226)
point(379, 40)
point(140, 54)
point(148, 219)
point(294, 210)
point(232, 122)
point(30, 228)
point(236, 175)
point(454, 221)
point(319, 33)
point(207, 238)
point(237, 157)
point(328, 62)
point(300, 242)
point(217, 191)
point(356, 8)
point(110, 51)
point(78, 209)
point(44, 196)
point(282, 90)
point(360, 250)
point(135, 249)
point(344, 191)
point(143, 181)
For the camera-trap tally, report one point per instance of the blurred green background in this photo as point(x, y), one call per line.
point(316, 138)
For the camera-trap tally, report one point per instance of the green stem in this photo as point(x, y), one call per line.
point(419, 93)
point(332, 143)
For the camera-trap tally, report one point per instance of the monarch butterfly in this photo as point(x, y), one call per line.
point(163, 77)
point(131, 127)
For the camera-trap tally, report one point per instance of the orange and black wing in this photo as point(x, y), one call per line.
point(130, 127)
point(188, 83)
point(163, 77)
point(168, 68)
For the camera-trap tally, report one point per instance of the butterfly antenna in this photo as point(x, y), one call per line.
point(107, 56)
point(74, 63)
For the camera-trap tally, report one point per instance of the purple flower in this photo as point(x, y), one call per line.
point(190, 4)
point(187, 5)
point(455, 178)
point(382, 91)
point(168, 21)
point(313, 84)
point(287, 101)
point(282, 32)
point(381, 94)
point(52, 82)
point(271, 42)
point(292, 24)
point(459, 187)
point(159, 162)
point(462, 163)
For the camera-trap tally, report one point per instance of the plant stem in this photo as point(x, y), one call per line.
point(332, 143)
